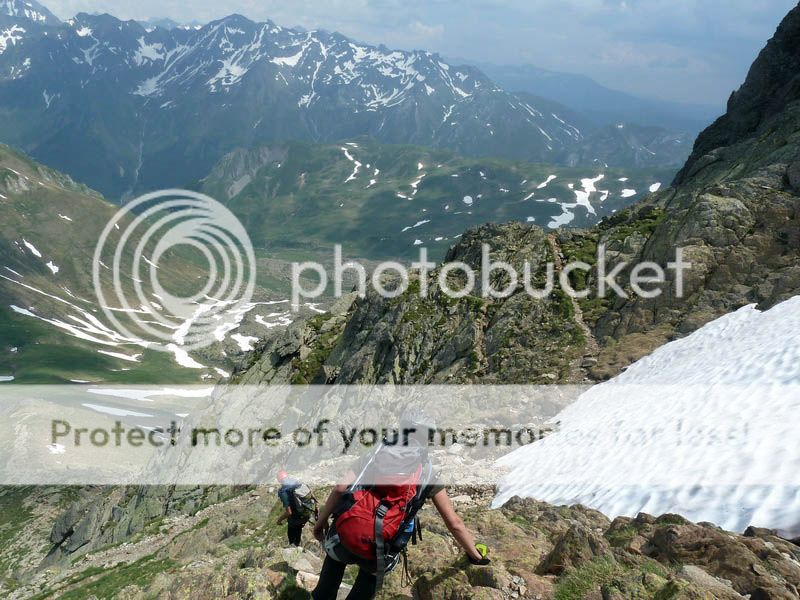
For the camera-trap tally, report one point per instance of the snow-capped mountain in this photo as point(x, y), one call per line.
point(27, 9)
point(702, 428)
point(145, 107)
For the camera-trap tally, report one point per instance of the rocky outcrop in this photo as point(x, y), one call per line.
point(235, 549)
point(433, 338)
point(578, 546)
point(772, 85)
point(105, 516)
point(742, 239)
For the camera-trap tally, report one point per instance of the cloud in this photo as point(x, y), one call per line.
point(421, 30)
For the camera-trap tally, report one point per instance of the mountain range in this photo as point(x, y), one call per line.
point(127, 108)
point(734, 210)
point(29, 10)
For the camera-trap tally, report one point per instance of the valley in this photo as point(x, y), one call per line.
point(382, 202)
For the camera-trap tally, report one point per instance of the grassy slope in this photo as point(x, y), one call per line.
point(35, 199)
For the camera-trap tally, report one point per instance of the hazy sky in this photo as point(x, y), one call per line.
point(689, 50)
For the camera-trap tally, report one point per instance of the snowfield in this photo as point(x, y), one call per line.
point(705, 427)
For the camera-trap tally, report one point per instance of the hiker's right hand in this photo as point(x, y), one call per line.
point(483, 552)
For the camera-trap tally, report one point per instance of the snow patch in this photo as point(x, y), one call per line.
point(246, 344)
point(565, 218)
point(32, 248)
point(356, 164)
point(546, 182)
point(135, 358)
point(10, 37)
point(415, 225)
point(699, 428)
point(182, 357)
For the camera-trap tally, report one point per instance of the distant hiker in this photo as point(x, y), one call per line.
point(299, 504)
point(374, 510)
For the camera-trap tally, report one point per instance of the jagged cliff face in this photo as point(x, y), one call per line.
point(735, 207)
point(772, 85)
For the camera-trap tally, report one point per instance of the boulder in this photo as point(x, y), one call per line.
point(577, 546)
point(716, 588)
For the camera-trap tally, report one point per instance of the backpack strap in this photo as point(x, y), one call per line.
point(380, 548)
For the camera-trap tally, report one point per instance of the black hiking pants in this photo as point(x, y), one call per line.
point(331, 578)
point(295, 533)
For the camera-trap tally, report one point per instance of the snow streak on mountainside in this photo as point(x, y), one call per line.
point(703, 427)
point(126, 99)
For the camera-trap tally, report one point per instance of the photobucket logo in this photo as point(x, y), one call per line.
point(645, 279)
point(151, 239)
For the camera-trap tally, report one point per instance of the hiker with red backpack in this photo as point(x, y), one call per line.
point(374, 510)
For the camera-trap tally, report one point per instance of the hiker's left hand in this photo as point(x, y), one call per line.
point(319, 530)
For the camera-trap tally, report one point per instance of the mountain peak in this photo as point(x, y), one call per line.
point(28, 9)
point(234, 20)
point(771, 85)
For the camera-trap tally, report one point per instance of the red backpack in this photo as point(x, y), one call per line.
point(377, 514)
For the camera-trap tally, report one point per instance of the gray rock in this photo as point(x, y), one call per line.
point(705, 582)
point(793, 175)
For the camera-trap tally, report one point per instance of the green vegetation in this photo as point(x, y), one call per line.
point(305, 371)
point(607, 574)
point(105, 583)
point(619, 537)
point(45, 355)
point(64, 221)
point(14, 517)
point(627, 222)
point(579, 582)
